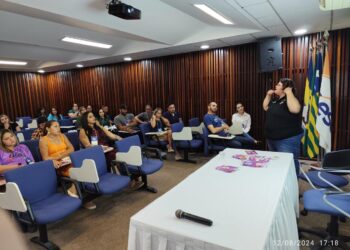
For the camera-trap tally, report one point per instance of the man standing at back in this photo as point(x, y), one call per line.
point(172, 115)
point(217, 126)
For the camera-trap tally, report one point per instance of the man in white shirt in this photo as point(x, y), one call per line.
point(245, 119)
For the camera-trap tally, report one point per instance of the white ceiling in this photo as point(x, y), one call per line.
point(31, 30)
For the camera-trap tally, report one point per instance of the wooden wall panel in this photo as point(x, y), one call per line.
point(191, 81)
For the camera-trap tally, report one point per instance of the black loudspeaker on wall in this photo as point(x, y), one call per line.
point(270, 55)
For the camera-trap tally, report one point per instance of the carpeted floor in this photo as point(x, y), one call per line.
point(107, 226)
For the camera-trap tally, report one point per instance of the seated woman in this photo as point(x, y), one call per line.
point(54, 116)
point(93, 133)
point(12, 154)
point(102, 119)
point(243, 118)
point(161, 124)
point(55, 146)
point(5, 123)
point(40, 131)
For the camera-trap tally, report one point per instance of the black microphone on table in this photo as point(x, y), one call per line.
point(182, 215)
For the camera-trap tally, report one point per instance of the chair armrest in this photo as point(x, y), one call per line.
point(86, 173)
point(198, 129)
point(328, 182)
point(214, 136)
point(65, 180)
point(184, 135)
point(308, 179)
point(333, 205)
point(12, 198)
point(132, 157)
point(334, 170)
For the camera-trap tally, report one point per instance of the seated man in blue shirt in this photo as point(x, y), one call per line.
point(172, 115)
point(217, 126)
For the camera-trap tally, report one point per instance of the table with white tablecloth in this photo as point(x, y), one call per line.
point(251, 208)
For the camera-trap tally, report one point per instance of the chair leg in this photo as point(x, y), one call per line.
point(186, 159)
point(330, 238)
point(310, 231)
point(43, 240)
point(303, 212)
point(146, 187)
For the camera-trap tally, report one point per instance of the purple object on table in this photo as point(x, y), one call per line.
point(226, 169)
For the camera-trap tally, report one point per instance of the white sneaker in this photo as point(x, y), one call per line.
point(72, 194)
point(89, 205)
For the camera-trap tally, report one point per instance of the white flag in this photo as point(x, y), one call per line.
point(323, 123)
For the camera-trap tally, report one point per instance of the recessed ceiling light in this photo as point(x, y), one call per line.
point(80, 65)
point(300, 32)
point(128, 58)
point(5, 62)
point(212, 13)
point(86, 42)
point(41, 71)
point(205, 46)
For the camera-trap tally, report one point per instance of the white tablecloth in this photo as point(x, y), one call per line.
point(252, 208)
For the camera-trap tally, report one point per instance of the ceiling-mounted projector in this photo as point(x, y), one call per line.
point(122, 10)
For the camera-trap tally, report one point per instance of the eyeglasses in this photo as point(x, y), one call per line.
point(239, 107)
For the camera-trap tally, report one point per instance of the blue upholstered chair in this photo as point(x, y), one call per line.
point(336, 204)
point(23, 121)
point(73, 137)
point(130, 153)
point(31, 192)
point(66, 122)
point(148, 141)
point(208, 144)
point(339, 160)
point(27, 133)
point(183, 140)
point(194, 122)
point(33, 146)
point(90, 168)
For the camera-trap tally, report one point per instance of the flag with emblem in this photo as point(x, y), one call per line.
point(323, 123)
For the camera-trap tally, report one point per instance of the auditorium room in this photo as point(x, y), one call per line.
point(174, 124)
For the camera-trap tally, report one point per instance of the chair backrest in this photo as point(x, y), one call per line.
point(125, 144)
point(337, 159)
point(194, 122)
point(27, 133)
point(94, 153)
point(36, 181)
point(66, 122)
point(20, 136)
point(33, 124)
point(24, 122)
point(73, 137)
point(145, 128)
point(33, 146)
point(177, 127)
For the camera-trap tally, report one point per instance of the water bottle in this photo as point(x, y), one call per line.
point(94, 140)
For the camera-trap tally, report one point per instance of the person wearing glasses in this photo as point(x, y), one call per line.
point(243, 118)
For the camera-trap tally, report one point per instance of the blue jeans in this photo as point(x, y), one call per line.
point(289, 145)
point(245, 139)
